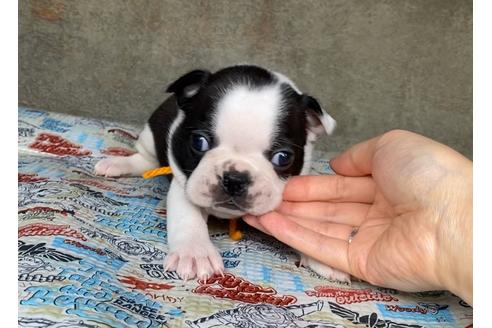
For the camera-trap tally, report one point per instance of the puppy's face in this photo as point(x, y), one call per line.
point(240, 134)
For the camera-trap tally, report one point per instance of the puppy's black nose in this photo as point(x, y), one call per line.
point(235, 183)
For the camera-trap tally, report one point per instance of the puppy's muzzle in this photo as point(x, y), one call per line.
point(234, 183)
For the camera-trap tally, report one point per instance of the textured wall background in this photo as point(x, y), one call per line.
point(375, 65)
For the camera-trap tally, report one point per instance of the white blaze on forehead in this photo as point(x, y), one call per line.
point(246, 118)
point(284, 79)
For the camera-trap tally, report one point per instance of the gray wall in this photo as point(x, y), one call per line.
point(375, 65)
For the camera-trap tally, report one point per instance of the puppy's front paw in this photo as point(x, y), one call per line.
point(324, 270)
point(196, 259)
point(112, 167)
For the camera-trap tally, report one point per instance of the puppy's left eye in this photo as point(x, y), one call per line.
point(282, 159)
point(199, 143)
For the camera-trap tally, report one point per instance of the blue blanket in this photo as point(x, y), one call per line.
point(91, 252)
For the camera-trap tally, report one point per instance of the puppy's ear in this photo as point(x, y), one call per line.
point(318, 121)
point(188, 85)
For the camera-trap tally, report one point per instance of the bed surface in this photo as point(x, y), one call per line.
point(91, 252)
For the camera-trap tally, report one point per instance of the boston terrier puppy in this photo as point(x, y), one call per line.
point(232, 139)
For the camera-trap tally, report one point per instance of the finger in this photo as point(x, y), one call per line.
point(331, 251)
point(255, 222)
point(328, 229)
point(334, 188)
point(357, 160)
point(346, 213)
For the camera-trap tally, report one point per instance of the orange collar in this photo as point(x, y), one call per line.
point(165, 170)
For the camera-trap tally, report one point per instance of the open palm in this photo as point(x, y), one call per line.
point(396, 190)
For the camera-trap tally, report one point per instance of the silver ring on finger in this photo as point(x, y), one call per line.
point(354, 231)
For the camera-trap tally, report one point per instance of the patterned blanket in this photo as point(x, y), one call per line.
point(91, 252)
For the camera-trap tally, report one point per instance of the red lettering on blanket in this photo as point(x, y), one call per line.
point(161, 211)
point(54, 144)
point(26, 177)
point(238, 289)
point(41, 229)
point(98, 251)
point(349, 296)
point(123, 133)
point(136, 283)
point(43, 209)
point(117, 151)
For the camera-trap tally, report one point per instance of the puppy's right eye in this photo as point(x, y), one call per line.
point(282, 159)
point(199, 143)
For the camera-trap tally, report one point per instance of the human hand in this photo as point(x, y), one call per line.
point(411, 199)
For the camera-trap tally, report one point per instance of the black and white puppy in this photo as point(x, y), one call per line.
point(232, 139)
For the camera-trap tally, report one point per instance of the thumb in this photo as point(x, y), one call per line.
point(357, 160)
